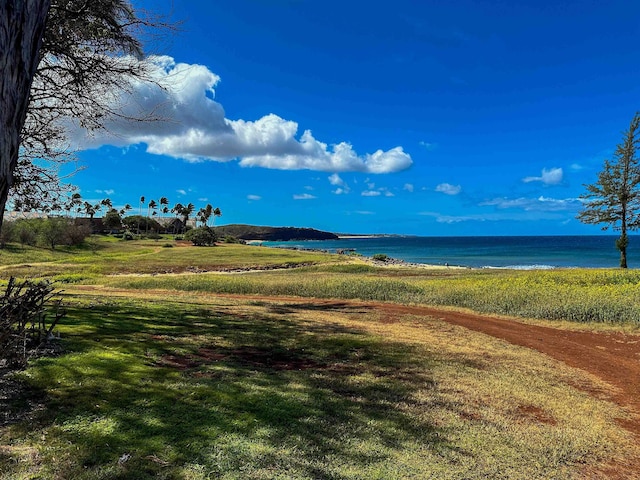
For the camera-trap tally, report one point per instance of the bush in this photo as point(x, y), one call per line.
point(26, 232)
point(201, 236)
point(77, 234)
point(112, 220)
point(6, 233)
point(49, 232)
point(381, 257)
point(127, 236)
point(232, 239)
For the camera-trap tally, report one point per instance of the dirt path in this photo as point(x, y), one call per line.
point(612, 357)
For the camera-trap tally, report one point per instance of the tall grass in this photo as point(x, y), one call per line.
point(320, 286)
point(603, 296)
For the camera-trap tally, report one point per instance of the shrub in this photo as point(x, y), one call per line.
point(381, 257)
point(201, 236)
point(6, 233)
point(232, 239)
point(26, 232)
point(112, 220)
point(76, 234)
point(53, 231)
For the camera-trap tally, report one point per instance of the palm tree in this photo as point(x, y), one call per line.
point(73, 202)
point(152, 206)
point(216, 213)
point(164, 201)
point(186, 213)
point(183, 211)
point(125, 209)
point(202, 216)
point(140, 212)
point(89, 210)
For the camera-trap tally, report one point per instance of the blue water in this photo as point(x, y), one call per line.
point(490, 252)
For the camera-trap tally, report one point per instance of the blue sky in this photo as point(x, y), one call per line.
point(427, 118)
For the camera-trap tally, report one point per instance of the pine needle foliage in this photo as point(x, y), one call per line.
point(614, 200)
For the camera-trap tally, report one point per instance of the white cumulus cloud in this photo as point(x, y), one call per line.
point(449, 189)
point(304, 196)
point(408, 187)
point(336, 180)
point(343, 188)
point(552, 176)
point(194, 127)
point(254, 197)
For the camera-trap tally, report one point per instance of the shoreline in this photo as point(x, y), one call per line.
point(348, 237)
point(392, 262)
point(389, 262)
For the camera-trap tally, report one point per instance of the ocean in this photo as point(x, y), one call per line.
point(523, 253)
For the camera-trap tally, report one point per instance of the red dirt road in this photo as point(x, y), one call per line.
point(612, 357)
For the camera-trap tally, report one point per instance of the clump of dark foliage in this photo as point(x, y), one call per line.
point(202, 236)
point(28, 316)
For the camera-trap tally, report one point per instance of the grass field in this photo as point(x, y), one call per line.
point(587, 296)
point(168, 380)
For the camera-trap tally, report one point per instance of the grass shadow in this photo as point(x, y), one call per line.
point(228, 392)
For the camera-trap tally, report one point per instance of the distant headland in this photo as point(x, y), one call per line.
point(273, 234)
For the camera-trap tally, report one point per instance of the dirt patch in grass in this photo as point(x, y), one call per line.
point(531, 413)
point(254, 357)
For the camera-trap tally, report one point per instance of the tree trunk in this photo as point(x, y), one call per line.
point(22, 24)
point(623, 257)
point(622, 243)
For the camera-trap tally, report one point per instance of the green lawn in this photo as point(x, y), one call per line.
point(210, 388)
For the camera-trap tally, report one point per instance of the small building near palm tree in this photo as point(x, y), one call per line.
point(95, 224)
point(171, 225)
